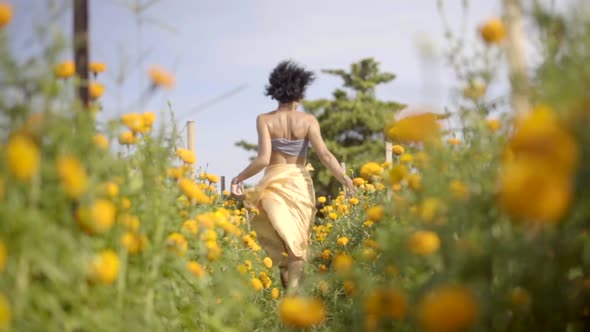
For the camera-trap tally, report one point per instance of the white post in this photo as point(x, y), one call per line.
point(388, 152)
point(515, 52)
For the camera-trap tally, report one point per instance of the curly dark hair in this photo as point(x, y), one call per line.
point(287, 82)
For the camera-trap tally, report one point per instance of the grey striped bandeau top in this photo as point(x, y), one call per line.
point(296, 147)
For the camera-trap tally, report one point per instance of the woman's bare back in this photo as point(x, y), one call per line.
point(290, 125)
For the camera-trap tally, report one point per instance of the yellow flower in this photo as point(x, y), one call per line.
point(267, 262)
point(192, 191)
point(333, 215)
point(415, 181)
point(133, 242)
point(97, 67)
point(109, 189)
point(342, 241)
point(191, 226)
point(398, 150)
point(353, 201)
point(368, 223)
point(134, 121)
point(5, 313)
point(358, 181)
point(177, 243)
point(454, 141)
point(130, 221)
point(160, 77)
point(2, 256)
point(65, 69)
point(423, 243)
point(256, 284)
point(406, 158)
point(448, 308)
point(275, 293)
point(342, 262)
point(96, 90)
point(188, 157)
point(266, 281)
point(101, 141)
point(386, 302)
point(326, 254)
point(149, 118)
point(105, 267)
point(196, 269)
point(493, 124)
point(375, 213)
point(212, 178)
point(415, 128)
point(125, 203)
point(301, 312)
point(96, 218)
point(397, 173)
point(370, 170)
point(493, 31)
point(431, 208)
point(127, 138)
point(322, 199)
point(459, 190)
point(23, 157)
point(73, 176)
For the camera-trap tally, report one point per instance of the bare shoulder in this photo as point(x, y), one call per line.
point(309, 118)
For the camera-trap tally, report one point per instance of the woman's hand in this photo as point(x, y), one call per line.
point(236, 190)
point(349, 186)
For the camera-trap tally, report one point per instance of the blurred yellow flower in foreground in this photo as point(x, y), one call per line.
point(301, 312)
point(5, 14)
point(459, 190)
point(149, 118)
point(5, 312)
point(342, 262)
point(188, 157)
point(492, 31)
point(196, 269)
point(191, 226)
point(493, 125)
point(370, 170)
point(177, 243)
point(73, 176)
point(267, 262)
point(97, 67)
point(160, 77)
point(342, 241)
point(414, 128)
point(398, 150)
point(275, 293)
point(212, 178)
point(104, 268)
point(23, 157)
point(448, 308)
point(423, 243)
point(101, 141)
point(386, 302)
point(192, 191)
point(130, 221)
point(134, 121)
point(133, 242)
point(109, 189)
point(99, 217)
point(127, 138)
point(96, 90)
point(358, 181)
point(256, 284)
point(65, 69)
point(375, 213)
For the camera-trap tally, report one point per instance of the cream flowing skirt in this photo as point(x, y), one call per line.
point(285, 198)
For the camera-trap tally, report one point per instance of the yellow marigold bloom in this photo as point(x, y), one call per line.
point(105, 267)
point(97, 67)
point(96, 90)
point(322, 199)
point(209, 235)
point(213, 250)
point(177, 243)
point(125, 203)
point(323, 268)
point(133, 242)
point(492, 31)
point(535, 192)
point(353, 201)
point(342, 241)
point(192, 191)
point(415, 181)
point(73, 176)
point(5, 313)
point(256, 284)
point(267, 262)
point(130, 221)
point(370, 170)
point(149, 118)
point(326, 254)
point(212, 178)
point(415, 128)
point(459, 190)
point(127, 138)
point(386, 302)
point(301, 312)
point(275, 293)
point(375, 213)
point(358, 181)
point(100, 141)
point(191, 226)
point(369, 254)
point(133, 121)
point(493, 125)
point(5, 17)
point(109, 189)
point(398, 150)
point(99, 217)
point(397, 173)
point(379, 186)
point(406, 158)
point(447, 308)
point(195, 268)
point(266, 281)
point(475, 90)
point(23, 157)
point(454, 141)
point(342, 262)
point(188, 157)
point(2, 256)
point(65, 69)
point(333, 215)
point(368, 223)
point(423, 243)
point(160, 77)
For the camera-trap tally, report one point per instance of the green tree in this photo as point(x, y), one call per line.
point(352, 121)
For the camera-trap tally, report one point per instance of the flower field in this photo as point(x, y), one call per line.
point(484, 229)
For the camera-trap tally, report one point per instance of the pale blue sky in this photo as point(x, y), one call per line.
point(215, 46)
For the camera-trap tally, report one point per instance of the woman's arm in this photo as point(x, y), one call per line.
point(326, 157)
point(264, 150)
